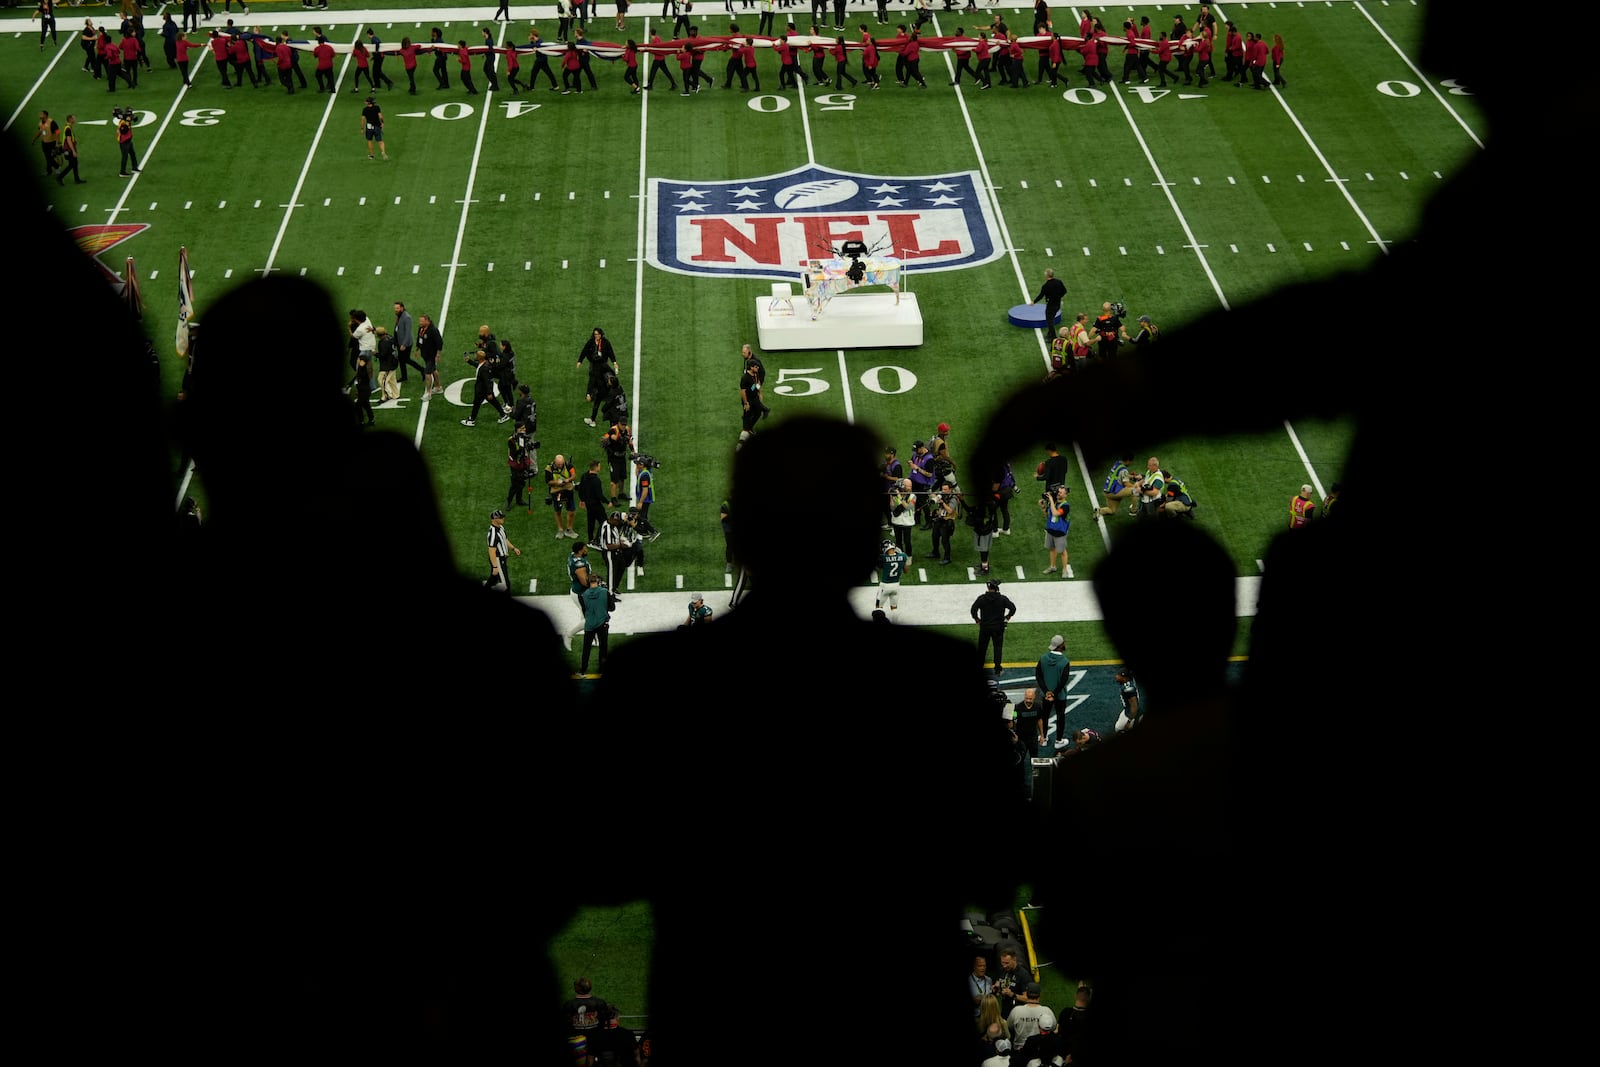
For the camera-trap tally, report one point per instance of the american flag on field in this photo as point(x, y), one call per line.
point(185, 300)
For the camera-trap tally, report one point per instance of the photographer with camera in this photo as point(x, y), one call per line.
point(618, 443)
point(980, 512)
point(561, 479)
point(123, 117)
point(942, 508)
point(520, 458)
point(1057, 511)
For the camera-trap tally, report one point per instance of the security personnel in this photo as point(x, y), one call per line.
point(1302, 509)
point(992, 611)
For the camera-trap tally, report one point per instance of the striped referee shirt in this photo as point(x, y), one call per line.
point(497, 540)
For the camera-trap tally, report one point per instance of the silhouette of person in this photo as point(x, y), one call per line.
point(816, 673)
point(1352, 796)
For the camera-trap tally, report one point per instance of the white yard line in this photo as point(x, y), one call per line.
point(1421, 77)
point(305, 166)
point(811, 158)
point(461, 235)
point(1016, 264)
point(638, 262)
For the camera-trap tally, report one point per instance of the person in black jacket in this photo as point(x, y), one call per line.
point(601, 357)
point(992, 611)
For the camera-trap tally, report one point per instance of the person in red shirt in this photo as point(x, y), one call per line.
point(686, 69)
point(219, 53)
point(1091, 61)
point(819, 58)
point(869, 62)
point(1256, 58)
point(747, 55)
point(912, 51)
point(789, 74)
point(1130, 54)
point(285, 59)
point(1233, 54)
point(841, 64)
point(181, 46)
point(1277, 60)
point(1163, 58)
point(464, 58)
point(363, 59)
point(630, 61)
point(239, 58)
point(898, 47)
point(1019, 78)
point(1052, 53)
point(982, 54)
point(658, 64)
point(324, 56)
point(572, 71)
point(1202, 58)
point(408, 60)
point(1102, 42)
point(513, 68)
point(1185, 54)
point(131, 51)
point(111, 56)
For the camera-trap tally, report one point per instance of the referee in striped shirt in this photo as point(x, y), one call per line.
point(499, 546)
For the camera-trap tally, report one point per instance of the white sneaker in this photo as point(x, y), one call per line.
point(638, 570)
point(1049, 570)
point(588, 422)
point(468, 422)
point(1068, 573)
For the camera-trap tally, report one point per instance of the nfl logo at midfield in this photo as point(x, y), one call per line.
point(770, 227)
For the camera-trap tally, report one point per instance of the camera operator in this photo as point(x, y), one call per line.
point(520, 458)
point(123, 117)
point(942, 508)
point(979, 511)
point(618, 443)
point(1057, 521)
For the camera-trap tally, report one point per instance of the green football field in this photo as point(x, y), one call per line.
point(533, 213)
point(544, 215)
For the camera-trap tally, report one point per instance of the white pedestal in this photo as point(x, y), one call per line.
point(852, 320)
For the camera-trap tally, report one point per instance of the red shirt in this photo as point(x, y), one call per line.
point(113, 53)
point(747, 55)
point(240, 49)
point(838, 51)
point(685, 58)
point(1235, 44)
point(464, 57)
point(182, 44)
point(912, 49)
point(869, 55)
point(982, 51)
point(219, 48)
point(1164, 51)
point(631, 58)
point(130, 49)
point(284, 53)
point(408, 56)
point(571, 60)
point(362, 58)
point(324, 54)
point(512, 62)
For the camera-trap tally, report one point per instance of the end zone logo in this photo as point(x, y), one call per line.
point(769, 227)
